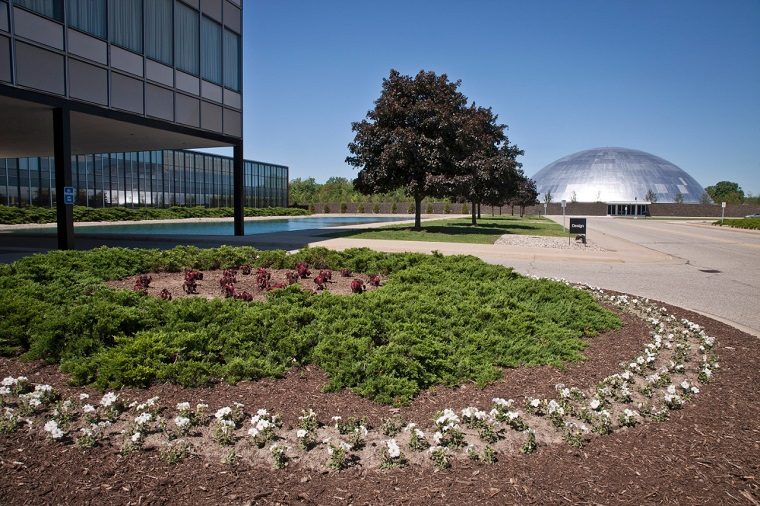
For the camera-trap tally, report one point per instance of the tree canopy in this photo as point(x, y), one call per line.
point(423, 137)
point(726, 191)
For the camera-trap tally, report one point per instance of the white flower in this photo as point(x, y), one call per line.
point(437, 437)
point(182, 421)
point(43, 388)
point(685, 385)
point(595, 404)
point(183, 406)
point(447, 418)
point(108, 399)
point(554, 407)
point(223, 412)
point(301, 433)
point(253, 432)
point(5, 391)
point(419, 434)
point(671, 389)
point(84, 396)
point(201, 406)
point(262, 412)
point(136, 437)
point(143, 418)
point(498, 401)
point(535, 403)
point(52, 427)
point(88, 408)
point(393, 450)
point(694, 390)
point(511, 415)
point(345, 446)
point(9, 381)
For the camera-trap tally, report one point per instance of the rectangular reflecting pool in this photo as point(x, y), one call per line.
point(219, 228)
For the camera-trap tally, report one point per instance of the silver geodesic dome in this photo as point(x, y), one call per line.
point(615, 174)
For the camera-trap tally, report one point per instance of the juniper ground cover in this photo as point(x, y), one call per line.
point(436, 321)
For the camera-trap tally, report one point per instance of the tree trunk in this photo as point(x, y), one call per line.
point(500, 210)
point(474, 213)
point(417, 212)
point(479, 210)
point(513, 209)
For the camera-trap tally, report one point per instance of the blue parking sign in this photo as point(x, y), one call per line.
point(68, 195)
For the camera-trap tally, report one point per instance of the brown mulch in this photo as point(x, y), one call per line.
point(706, 453)
point(209, 287)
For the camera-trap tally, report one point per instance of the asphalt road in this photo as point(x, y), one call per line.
point(712, 270)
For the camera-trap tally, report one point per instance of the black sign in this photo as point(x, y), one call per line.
point(578, 226)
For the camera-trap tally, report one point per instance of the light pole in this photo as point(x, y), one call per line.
point(564, 204)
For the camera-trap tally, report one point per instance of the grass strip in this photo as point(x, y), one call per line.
point(460, 230)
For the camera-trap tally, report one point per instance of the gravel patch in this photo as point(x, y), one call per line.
point(532, 241)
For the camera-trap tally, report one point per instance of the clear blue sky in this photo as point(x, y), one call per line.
point(679, 79)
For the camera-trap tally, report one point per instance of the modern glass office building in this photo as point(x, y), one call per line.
point(146, 178)
point(137, 79)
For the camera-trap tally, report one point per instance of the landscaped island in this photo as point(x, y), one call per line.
point(747, 223)
point(435, 320)
point(10, 215)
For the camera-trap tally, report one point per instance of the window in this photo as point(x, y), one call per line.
point(186, 38)
point(89, 16)
point(126, 24)
point(211, 51)
point(158, 26)
point(50, 8)
point(231, 60)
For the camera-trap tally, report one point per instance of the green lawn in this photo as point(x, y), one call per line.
point(486, 231)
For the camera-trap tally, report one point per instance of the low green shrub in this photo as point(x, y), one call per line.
point(18, 215)
point(436, 321)
point(746, 223)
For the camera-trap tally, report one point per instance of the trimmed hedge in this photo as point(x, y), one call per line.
point(18, 215)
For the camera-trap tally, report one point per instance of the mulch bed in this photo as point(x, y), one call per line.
point(706, 453)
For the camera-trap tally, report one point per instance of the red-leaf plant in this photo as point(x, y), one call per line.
point(346, 273)
point(327, 275)
point(229, 290)
point(244, 296)
point(262, 278)
point(228, 276)
point(142, 283)
point(191, 278)
point(166, 294)
point(320, 282)
point(303, 270)
point(246, 269)
point(292, 277)
point(357, 286)
point(275, 286)
point(374, 280)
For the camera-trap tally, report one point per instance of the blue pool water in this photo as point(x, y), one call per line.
point(226, 228)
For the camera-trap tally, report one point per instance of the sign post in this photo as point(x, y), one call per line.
point(68, 195)
point(577, 227)
point(722, 212)
point(564, 204)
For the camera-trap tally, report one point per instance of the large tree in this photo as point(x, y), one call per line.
point(726, 191)
point(489, 163)
point(526, 194)
point(410, 139)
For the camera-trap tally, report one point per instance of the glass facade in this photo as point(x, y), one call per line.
point(144, 179)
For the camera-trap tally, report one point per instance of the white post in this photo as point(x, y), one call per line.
point(635, 208)
point(564, 204)
point(722, 211)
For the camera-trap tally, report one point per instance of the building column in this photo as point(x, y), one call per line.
point(62, 153)
point(238, 190)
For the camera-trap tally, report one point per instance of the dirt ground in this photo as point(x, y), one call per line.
point(706, 453)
